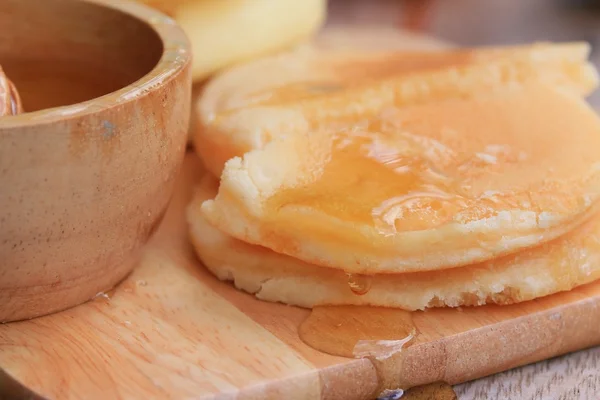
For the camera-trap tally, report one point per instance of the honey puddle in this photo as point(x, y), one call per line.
point(376, 333)
point(370, 331)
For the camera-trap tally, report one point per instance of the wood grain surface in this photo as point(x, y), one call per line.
point(570, 377)
point(171, 330)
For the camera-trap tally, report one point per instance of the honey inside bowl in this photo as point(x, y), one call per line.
point(88, 169)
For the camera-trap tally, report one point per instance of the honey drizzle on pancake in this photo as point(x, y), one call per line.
point(402, 170)
point(368, 181)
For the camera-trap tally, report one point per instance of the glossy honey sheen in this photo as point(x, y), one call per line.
point(455, 161)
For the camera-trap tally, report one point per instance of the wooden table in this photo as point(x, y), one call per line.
point(571, 377)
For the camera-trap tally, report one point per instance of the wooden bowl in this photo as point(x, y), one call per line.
point(87, 172)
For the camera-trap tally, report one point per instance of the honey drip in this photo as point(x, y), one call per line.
point(359, 284)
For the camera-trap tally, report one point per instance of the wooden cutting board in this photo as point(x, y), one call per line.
point(171, 330)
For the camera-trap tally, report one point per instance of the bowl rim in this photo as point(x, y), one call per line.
point(175, 57)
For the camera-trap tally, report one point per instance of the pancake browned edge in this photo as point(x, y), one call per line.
point(556, 266)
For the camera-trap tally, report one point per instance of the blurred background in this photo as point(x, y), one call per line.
point(481, 22)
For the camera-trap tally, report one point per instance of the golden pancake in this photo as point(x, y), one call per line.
point(549, 268)
point(424, 187)
point(324, 85)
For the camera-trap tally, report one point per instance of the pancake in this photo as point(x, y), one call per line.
point(293, 66)
point(358, 42)
point(552, 267)
point(424, 187)
point(331, 84)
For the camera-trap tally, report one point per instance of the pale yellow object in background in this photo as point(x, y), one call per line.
point(224, 32)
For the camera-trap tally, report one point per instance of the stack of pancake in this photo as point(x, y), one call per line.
point(401, 179)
